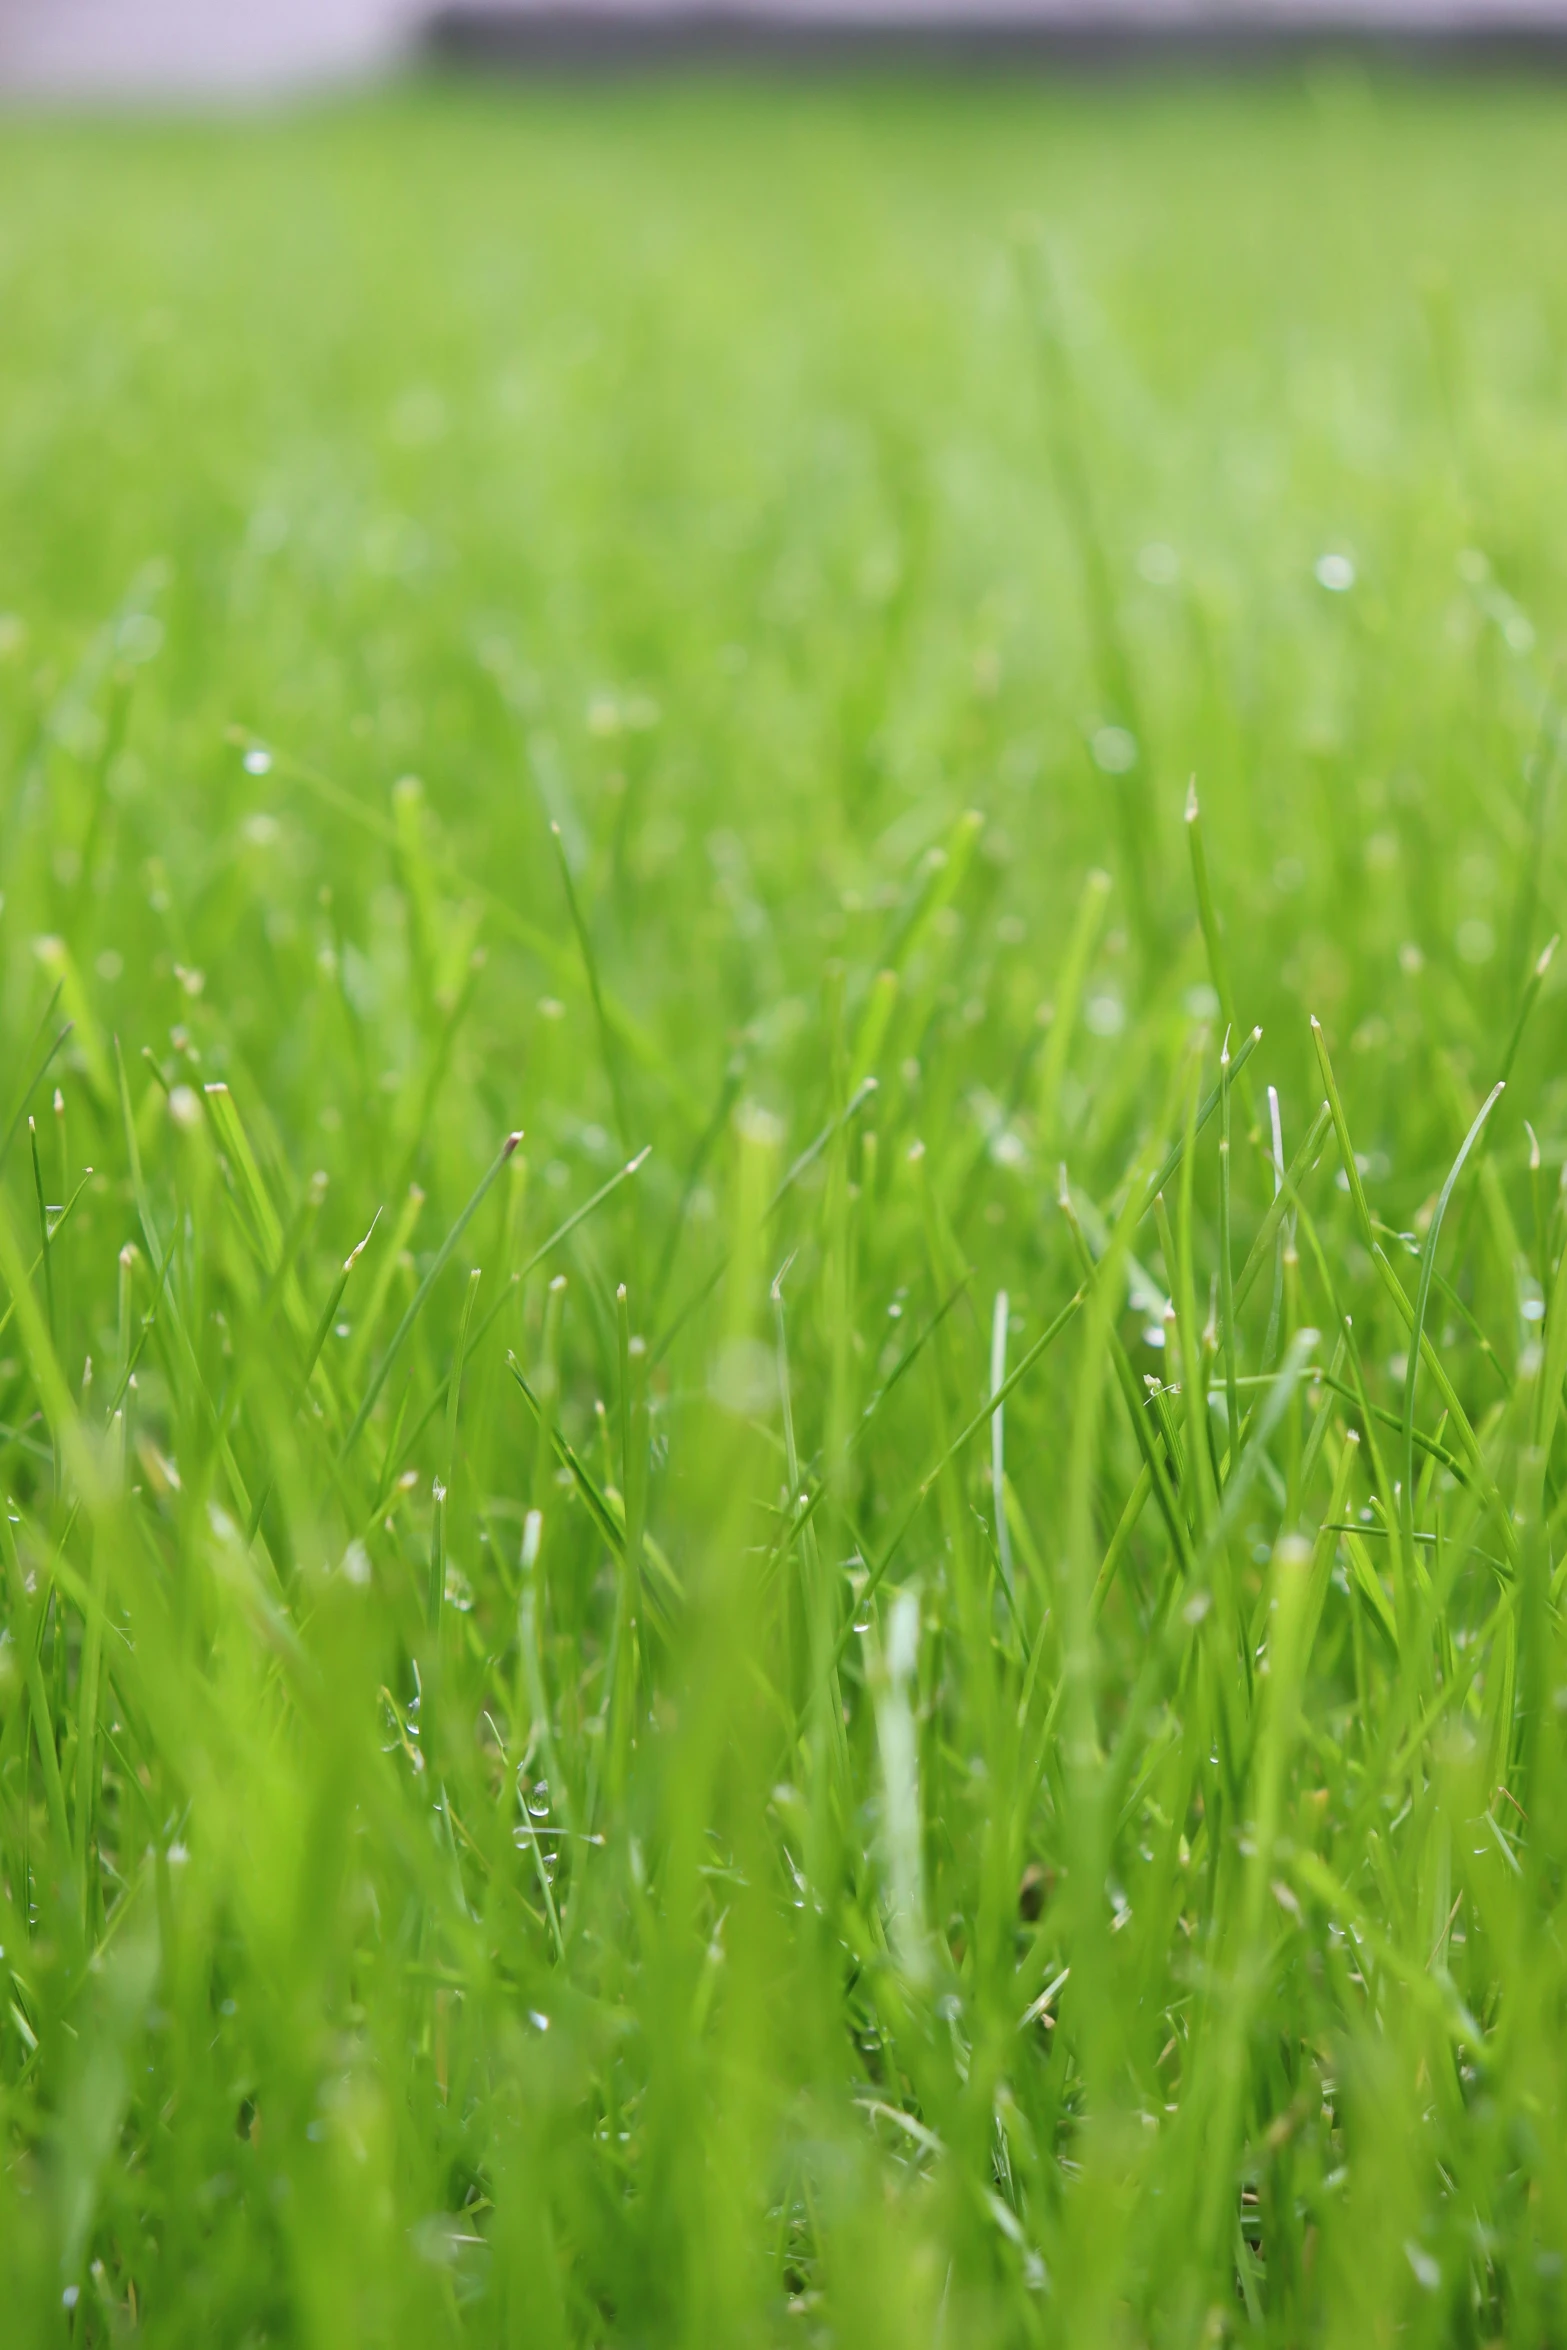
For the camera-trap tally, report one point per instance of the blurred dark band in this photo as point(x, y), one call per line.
point(608, 37)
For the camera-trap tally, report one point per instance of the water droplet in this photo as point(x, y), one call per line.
point(1114, 750)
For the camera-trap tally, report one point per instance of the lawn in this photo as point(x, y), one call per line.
point(754, 1589)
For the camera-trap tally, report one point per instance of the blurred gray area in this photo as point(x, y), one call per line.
point(196, 48)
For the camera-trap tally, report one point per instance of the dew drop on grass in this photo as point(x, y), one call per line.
point(258, 761)
point(1427, 2273)
point(1336, 573)
point(139, 637)
point(1114, 750)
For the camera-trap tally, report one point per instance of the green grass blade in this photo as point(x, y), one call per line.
point(443, 1256)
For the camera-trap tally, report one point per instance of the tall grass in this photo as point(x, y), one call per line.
point(784, 1546)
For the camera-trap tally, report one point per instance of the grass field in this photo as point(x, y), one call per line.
point(757, 1716)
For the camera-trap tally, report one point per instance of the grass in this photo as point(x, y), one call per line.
point(757, 1716)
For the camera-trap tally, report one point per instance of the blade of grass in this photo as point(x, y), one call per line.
point(607, 1046)
point(442, 1259)
point(38, 1075)
point(1422, 1300)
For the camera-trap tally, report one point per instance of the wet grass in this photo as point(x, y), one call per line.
point(740, 1602)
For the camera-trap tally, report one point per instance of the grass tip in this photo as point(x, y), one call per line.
point(511, 1143)
point(1192, 809)
point(358, 1250)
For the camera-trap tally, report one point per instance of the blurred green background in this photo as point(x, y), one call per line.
point(683, 461)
